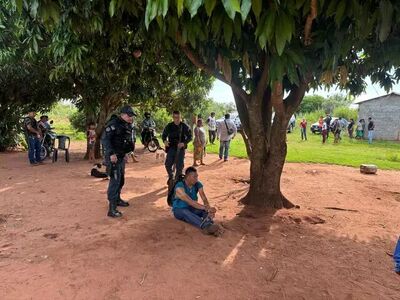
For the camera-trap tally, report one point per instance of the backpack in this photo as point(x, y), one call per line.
point(229, 130)
point(171, 193)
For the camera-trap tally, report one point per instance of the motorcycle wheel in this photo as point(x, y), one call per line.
point(153, 145)
point(55, 155)
point(43, 153)
point(67, 156)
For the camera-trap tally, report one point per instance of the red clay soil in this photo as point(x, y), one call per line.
point(57, 243)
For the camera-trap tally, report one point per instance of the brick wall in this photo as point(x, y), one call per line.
point(385, 112)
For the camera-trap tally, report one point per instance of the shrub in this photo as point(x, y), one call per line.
point(345, 112)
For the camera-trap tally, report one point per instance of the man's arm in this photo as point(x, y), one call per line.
point(188, 135)
point(180, 193)
point(108, 134)
point(204, 197)
point(165, 133)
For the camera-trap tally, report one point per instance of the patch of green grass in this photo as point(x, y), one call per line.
point(60, 114)
point(384, 154)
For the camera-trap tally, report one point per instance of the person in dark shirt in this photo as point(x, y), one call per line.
point(117, 142)
point(33, 136)
point(328, 121)
point(350, 128)
point(371, 128)
point(176, 136)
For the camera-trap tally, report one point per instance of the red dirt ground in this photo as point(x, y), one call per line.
point(57, 243)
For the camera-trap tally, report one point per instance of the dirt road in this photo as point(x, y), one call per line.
point(57, 243)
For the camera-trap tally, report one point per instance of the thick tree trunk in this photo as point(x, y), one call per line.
point(267, 147)
point(107, 106)
point(266, 167)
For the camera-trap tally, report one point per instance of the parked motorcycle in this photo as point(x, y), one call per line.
point(150, 141)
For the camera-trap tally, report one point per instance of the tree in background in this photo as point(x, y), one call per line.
point(24, 80)
point(113, 63)
point(311, 103)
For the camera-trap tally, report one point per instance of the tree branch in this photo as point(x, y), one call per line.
point(211, 71)
point(263, 81)
point(277, 98)
point(293, 100)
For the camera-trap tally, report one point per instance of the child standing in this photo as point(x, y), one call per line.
point(199, 143)
point(91, 140)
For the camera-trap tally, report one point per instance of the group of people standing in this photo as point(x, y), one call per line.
point(327, 125)
point(118, 141)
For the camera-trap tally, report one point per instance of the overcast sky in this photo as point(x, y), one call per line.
point(222, 92)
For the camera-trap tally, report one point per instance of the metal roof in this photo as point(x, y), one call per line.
point(375, 98)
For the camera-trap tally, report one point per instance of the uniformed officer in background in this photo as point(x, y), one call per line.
point(117, 143)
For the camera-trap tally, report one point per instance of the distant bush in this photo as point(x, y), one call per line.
point(345, 112)
point(312, 117)
point(78, 121)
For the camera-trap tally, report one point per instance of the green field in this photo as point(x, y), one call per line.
point(60, 114)
point(384, 154)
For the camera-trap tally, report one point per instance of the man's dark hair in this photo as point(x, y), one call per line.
point(91, 123)
point(43, 117)
point(227, 116)
point(176, 112)
point(369, 118)
point(213, 113)
point(190, 170)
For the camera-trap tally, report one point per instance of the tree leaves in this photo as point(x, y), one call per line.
point(228, 30)
point(245, 9)
point(231, 7)
point(18, 4)
point(111, 8)
point(151, 12)
point(283, 31)
point(257, 7)
point(210, 5)
point(386, 14)
point(193, 6)
point(179, 7)
point(163, 7)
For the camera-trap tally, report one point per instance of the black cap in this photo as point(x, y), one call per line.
point(127, 110)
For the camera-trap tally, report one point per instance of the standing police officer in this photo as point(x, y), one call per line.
point(117, 142)
point(176, 137)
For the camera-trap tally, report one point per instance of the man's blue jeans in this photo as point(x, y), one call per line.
point(34, 149)
point(396, 257)
point(194, 216)
point(224, 149)
point(370, 136)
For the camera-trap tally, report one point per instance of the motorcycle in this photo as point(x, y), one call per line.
point(47, 143)
point(150, 141)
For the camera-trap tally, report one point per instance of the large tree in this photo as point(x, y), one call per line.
point(264, 49)
point(112, 61)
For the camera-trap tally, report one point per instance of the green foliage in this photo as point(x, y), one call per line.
point(311, 103)
point(312, 116)
point(345, 112)
point(78, 121)
point(334, 101)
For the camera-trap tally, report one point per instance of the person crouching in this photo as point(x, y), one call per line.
point(186, 208)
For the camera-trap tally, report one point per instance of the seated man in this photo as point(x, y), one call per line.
point(186, 208)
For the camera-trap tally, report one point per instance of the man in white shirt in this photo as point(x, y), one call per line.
point(226, 132)
point(212, 128)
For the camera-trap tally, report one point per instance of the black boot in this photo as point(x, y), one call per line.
point(122, 203)
point(113, 212)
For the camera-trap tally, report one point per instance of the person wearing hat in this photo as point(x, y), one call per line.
point(33, 137)
point(117, 142)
